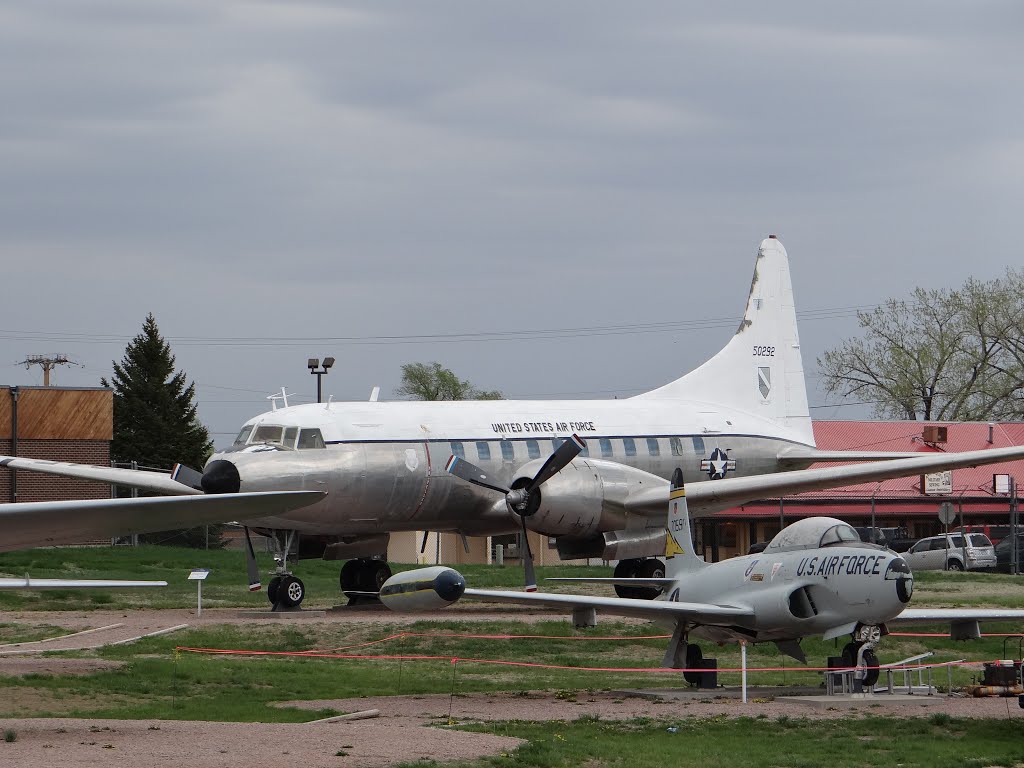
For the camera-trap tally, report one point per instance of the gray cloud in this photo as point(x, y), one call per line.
point(308, 170)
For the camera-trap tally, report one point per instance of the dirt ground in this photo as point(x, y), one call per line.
point(404, 730)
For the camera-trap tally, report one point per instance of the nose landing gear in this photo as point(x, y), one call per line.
point(860, 653)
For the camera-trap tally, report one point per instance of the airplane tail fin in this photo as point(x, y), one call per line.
point(680, 557)
point(760, 371)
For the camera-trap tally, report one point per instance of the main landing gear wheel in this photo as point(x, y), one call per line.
point(652, 568)
point(694, 657)
point(272, 589)
point(626, 569)
point(363, 575)
point(291, 592)
point(642, 568)
point(374, 574)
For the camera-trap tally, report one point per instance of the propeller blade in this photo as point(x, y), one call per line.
point(557, 461)
point(187, 476)
point(250, 563)
point(471, 474)
point(531, 578)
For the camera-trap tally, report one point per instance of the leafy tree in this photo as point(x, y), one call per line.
point(155, 420)
point(423, 381)
point(941, 355)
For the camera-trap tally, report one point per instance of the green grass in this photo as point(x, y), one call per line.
point(225, 586)
point(156, 681)
point(21, 633)
point(795, 743)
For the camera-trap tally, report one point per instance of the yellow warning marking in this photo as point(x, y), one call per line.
point(672, 547)
point(677, 493)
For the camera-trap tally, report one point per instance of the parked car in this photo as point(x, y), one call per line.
point(1004, 554)
point(952, 552)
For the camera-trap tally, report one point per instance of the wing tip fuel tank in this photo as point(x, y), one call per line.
point(423, 589)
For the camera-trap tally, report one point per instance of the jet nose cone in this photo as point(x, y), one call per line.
point(220, 476)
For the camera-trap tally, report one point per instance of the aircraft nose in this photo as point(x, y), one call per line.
point(220, 476)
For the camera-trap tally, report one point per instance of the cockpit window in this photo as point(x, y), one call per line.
point(244, 434)
point(274, 434)
point(838, 534)
point(310, 438)
point(268, 434)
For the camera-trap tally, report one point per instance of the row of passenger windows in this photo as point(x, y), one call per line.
point(607, 447)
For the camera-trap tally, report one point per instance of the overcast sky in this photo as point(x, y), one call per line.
point(283, 180)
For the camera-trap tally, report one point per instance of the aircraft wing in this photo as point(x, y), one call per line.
point(706, 497)
point(698, 613)
point(921, 616)
point(43, 523)
point(158, 482)
point(29, 583)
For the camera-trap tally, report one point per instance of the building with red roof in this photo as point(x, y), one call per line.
point(897, 503)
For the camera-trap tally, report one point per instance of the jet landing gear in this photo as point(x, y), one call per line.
point(362, 576)
point(639, 568)
point(860, 653)
point(681, 654)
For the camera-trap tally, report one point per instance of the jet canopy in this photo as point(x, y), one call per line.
point(812, 533)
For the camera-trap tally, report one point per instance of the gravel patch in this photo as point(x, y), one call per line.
point(74, 743)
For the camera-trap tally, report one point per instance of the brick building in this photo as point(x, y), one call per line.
point(58, 424)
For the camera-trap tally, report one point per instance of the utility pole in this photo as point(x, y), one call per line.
point(46, 362)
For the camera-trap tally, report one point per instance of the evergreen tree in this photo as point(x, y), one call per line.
point(155, 420)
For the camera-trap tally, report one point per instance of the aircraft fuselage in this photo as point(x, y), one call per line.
point(382, 464)
point(802, 593)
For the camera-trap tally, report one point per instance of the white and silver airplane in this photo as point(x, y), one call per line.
point(816, 577)
point(739, 423)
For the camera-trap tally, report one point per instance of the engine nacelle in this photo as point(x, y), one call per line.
point(587, 498)
point(423, 589)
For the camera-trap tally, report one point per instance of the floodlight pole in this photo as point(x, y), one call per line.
point(314, 368)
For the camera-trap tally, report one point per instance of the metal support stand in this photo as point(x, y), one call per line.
point(743, 667)
point(584, 618)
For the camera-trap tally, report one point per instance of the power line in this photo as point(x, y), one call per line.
point(668, 326)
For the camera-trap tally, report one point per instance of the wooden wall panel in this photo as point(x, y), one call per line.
point(59, 414)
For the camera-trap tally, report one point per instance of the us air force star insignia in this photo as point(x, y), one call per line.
point(718, 464)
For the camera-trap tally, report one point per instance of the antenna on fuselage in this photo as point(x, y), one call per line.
point(374, 394)
point(283, 397)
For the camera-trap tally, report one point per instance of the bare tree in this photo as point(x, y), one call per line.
point(941, 355)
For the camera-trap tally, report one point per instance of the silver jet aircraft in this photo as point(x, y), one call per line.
point(816, 577)
point(739, 424)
